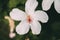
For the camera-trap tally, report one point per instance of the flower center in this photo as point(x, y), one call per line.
point(29, 18)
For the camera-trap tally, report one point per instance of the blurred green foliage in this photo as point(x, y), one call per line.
point(14, 3)
point(50, 30)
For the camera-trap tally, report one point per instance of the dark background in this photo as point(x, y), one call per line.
point(50, 30)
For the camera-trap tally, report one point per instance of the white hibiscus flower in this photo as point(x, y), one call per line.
point(46, 4)
point(29, 18)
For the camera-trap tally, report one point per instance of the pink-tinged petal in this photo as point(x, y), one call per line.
point(17, 14)
point(35, 27)
point(12, 35)
point(46, 4)
point(57, 5)
point(22, 28)
point(30, 6)
point(41, 16)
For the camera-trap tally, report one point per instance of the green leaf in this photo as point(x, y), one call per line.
point(14, 3)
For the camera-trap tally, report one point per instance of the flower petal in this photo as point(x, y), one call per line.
point(12, 35)
point(35, 27)
point(57, 5)
point(41, 16)
point(30, 6)
point(17, 14)
point(22, 28)
point(46, 4)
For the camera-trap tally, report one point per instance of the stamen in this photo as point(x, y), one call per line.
point(29, 18)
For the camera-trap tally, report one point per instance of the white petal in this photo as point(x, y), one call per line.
point(12, 35)
point(30, 6)
point(22, 28)
point(17, 14)
point(35, 27)
point(46, 4)
point(57, 5)
point(41, 16)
